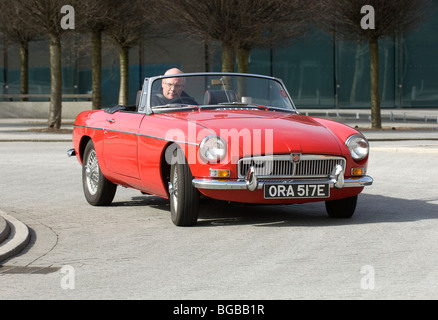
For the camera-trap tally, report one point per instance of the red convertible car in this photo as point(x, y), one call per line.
point(227, 136)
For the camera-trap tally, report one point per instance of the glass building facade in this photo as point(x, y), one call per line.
point(319, 70)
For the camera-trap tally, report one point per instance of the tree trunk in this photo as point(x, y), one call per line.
point(96, 68)
point(24, 69)
point(358, 72)
point(228, 57)
point(243, 59)
point(55, 111)
point(243, 53)
point(376, 121)
point(124, 75)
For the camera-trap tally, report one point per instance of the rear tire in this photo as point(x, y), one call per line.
point(98, 190)
point(342, 208)
point(184, 198)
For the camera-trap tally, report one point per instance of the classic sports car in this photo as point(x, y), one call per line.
point(227, 136)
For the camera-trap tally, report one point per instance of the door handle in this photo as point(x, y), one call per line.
point(110, 120)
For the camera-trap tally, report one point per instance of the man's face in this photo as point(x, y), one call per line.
point(172, 87)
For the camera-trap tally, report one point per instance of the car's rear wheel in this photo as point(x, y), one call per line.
point(98, 190)
point(342, 208)
point(184, 198)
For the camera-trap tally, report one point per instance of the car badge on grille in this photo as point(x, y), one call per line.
point(295, 157)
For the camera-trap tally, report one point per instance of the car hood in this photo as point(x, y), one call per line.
point(286, 132)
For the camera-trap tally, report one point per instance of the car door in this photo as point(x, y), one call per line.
point(121, 143)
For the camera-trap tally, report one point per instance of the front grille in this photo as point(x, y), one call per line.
point(282, 166)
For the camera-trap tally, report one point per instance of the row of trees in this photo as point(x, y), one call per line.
point(239, 25)
point(125, 22)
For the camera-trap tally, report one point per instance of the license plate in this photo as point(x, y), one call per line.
point(291, 191)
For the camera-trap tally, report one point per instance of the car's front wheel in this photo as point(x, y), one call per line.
point(184, 198)
point(98, 190)
point(342, 208)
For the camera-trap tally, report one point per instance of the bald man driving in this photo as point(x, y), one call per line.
point(172, 91)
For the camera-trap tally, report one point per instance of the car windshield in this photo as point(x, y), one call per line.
point(219, 91)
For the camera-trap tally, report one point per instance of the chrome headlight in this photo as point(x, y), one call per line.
point(358, 146)
point(213, 149)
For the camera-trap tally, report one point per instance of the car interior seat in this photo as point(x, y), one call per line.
point(219, 96)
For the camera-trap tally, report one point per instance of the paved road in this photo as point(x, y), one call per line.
point(388, 250)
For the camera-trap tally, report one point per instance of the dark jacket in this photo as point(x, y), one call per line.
point(159, 99)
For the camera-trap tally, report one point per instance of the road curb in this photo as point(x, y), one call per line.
point(17, 239)
point(404, 149)
point(35, 140)
point(4, 229)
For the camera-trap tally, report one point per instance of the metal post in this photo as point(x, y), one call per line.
point(5, 65)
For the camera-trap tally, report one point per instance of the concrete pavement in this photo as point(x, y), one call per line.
point(18, 129)
point(404, 131)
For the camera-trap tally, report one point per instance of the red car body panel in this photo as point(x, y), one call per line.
point(131, 146)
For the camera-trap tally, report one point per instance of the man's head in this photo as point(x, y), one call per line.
point(173, 87)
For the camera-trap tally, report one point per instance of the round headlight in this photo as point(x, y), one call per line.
point(213, 149)
point(358, 147)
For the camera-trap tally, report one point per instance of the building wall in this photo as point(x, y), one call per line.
point(319, 71)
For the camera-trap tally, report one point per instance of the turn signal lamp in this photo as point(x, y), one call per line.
point(219, 173)
point(358, 171)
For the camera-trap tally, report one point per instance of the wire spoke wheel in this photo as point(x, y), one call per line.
point(98, 190)
point(175, 187)
point(184, 198)
point(92, 172)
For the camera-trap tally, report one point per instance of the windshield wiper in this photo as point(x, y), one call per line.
point(171, 105)
point(281, 109)
point(175, 105)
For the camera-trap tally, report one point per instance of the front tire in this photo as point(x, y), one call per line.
point(342, 208)
point(184, 198)
point(98, 190)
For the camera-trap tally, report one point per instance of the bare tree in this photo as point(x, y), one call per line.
point(46, 16)
point(370, 20)
point(238, 24)
point(94, 17)
point(271, 23)
point(210, 20)
point(129, 24)
point(14, 27)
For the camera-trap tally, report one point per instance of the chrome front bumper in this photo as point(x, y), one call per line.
point(252, 183)
point(243, 184)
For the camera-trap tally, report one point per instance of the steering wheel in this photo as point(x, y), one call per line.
point(183, 100)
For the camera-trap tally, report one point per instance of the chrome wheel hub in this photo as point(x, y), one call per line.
point(173, 188)
point(92, 173)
